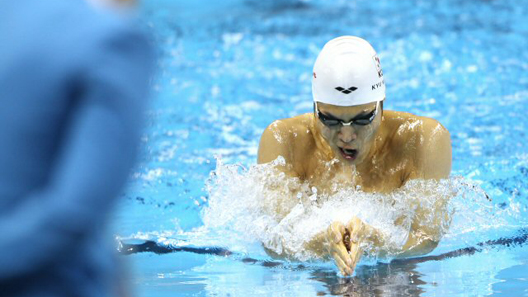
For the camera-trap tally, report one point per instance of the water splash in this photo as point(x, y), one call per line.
point(261, 206)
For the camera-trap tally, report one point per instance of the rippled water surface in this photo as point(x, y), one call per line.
point(229, 68)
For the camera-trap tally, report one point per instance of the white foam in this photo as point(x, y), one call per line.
point(249, 206)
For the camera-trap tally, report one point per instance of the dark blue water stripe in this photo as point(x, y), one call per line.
point(153, 247)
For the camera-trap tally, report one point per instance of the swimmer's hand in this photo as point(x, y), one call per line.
point(337, 236)
point(344, 243)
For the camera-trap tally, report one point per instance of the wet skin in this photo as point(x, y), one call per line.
point(379, 157)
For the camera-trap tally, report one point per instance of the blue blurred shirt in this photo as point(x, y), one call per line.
point(73, 85)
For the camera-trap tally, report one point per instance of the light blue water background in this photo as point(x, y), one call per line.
point(227, 69)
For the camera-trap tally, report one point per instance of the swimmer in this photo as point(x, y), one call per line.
point(350, 140)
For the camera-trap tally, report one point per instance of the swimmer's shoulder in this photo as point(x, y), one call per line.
point(402, 123)
point(424, 139)
point(286, 137)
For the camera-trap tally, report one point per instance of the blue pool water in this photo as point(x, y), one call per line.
point(227, 70)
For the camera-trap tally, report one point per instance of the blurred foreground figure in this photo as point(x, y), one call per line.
point(73, 84)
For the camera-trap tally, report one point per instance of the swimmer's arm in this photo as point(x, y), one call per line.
point(96, 153)
point(317, 245)
point(433, 161)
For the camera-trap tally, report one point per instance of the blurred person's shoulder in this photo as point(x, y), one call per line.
point(85, 23)
point(64, 26)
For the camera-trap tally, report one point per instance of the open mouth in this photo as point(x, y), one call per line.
point(349, 154)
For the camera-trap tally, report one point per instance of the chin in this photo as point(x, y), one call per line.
point(349, 162)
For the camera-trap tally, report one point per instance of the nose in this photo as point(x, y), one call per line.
point(347, 134)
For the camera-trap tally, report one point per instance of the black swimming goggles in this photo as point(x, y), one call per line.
point(361, 120)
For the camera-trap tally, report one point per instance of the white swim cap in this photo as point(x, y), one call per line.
point(347, 72)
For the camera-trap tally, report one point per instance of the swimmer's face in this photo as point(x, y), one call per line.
point(350, 143)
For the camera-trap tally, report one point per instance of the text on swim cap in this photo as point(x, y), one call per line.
point(375, 86)
point(378, 65)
